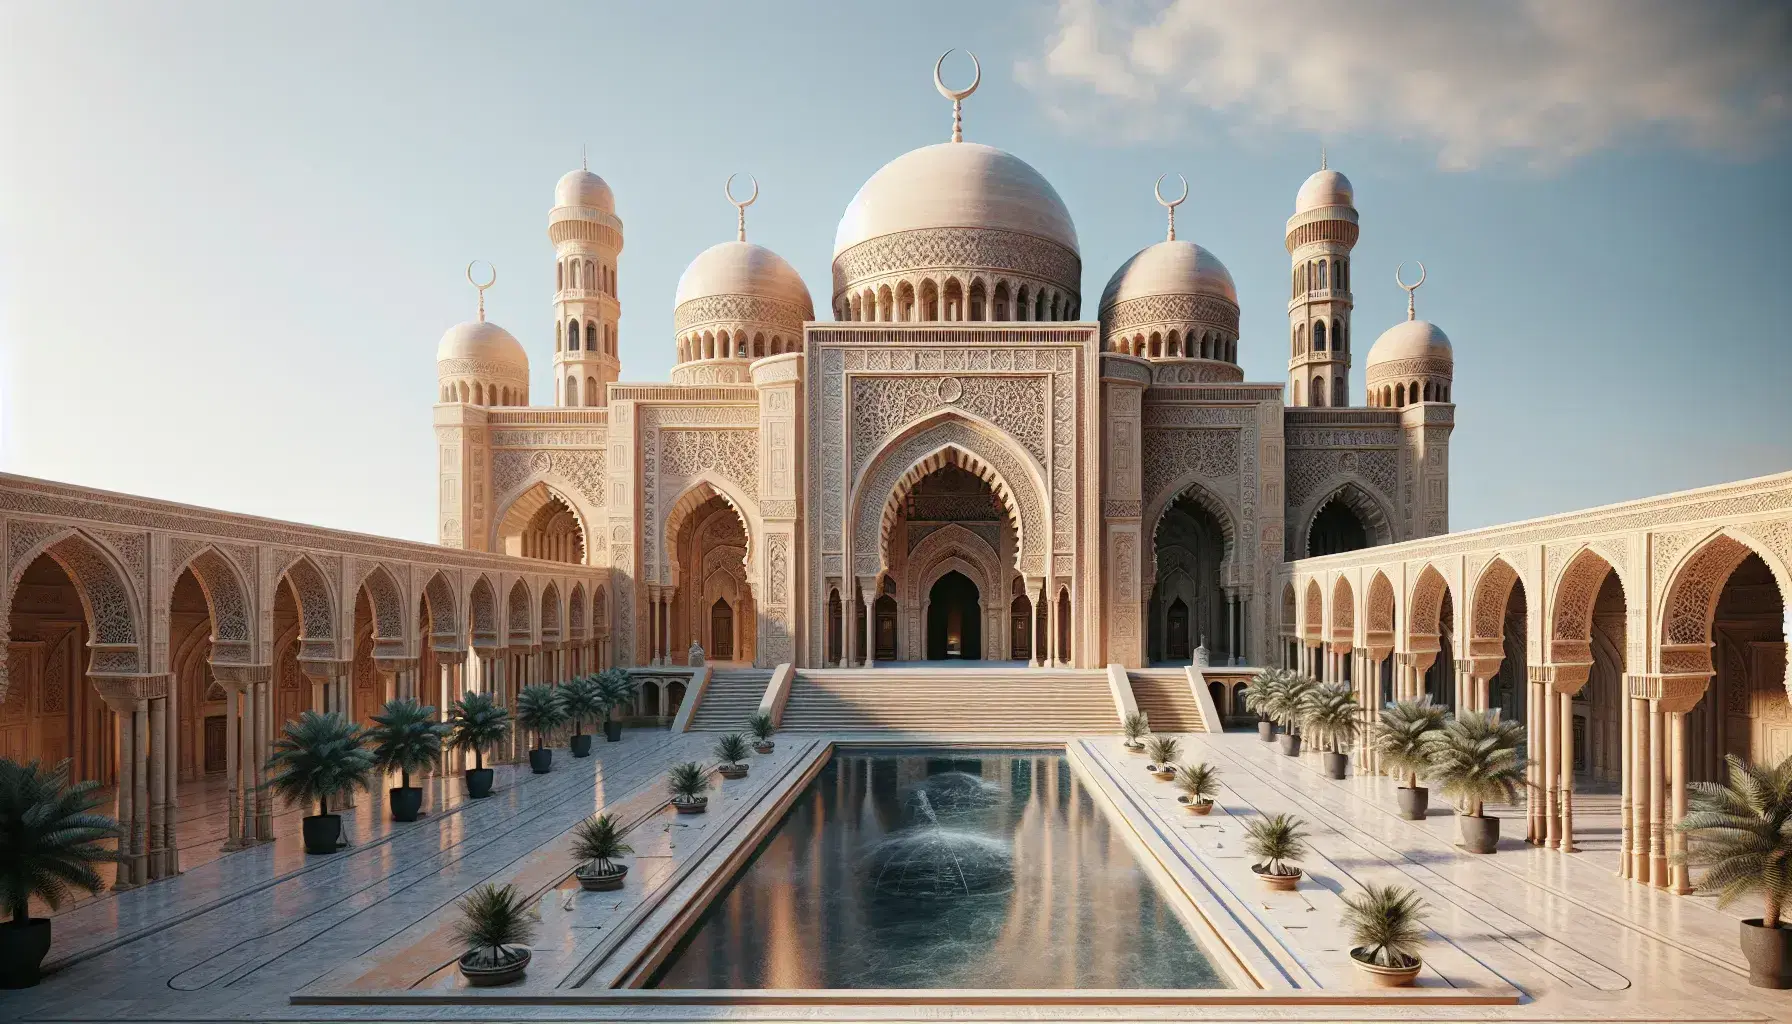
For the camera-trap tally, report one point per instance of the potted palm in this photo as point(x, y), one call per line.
point(494, 925)
point(1136, 727)
point(1474, 758)
point(1334, 718)
point(316, 759)
point(1387, 923)
point(406, 738)
point(731, 750)
point(1199, 783)
point(1398, 739)
point(1163, 751)
point(477, 723)
point(1276, 843)
point(540, 710)
point(583, 700)
point(687, 783)
point(1257, 696)
point(618, 692)
point(760, 725)
point(1286, 702)
point(49, 841)
point(597, 842)
point(1741, 834)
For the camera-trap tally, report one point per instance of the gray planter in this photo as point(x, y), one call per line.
point(1479, 834)
point(1266, 731)
point(1336, 764)
point(1413, 801)
point(1769, 953)
point(1290, 742)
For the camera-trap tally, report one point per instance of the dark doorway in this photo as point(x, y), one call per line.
point(217, 750)
point(1176, 647)
point(834, 633)
point(954, 629)
point(1336, 529)
point(721, 631)
point(886, 628)
point(1020, 632)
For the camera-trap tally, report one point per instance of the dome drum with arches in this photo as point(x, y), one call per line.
point(736, 302)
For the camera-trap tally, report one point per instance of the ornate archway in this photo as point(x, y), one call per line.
point(1347, 517)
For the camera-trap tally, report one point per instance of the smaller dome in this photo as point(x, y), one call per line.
point(582, 188)
point(1412, 339)
point(1169, 268)
point(484, 342)
point(1324, 188)
point(742, 268)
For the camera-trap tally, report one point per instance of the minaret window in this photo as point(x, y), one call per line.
point(591, 391)
point(1322, 284)
point(1319, 336)
point(572, 334)
point(1318, 391)
point(1341, 337)
point(556, 337)
point(572, 391)
point(560, 276)
point(1300, 339)
point(1338, 396)
point(1297, 392)
point(979, 301)
point(1343, 271)
point(590, 274)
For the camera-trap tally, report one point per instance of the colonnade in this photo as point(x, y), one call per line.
point(1043, 614)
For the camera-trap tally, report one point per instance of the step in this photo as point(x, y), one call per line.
point(730, 699)
point(937, 699)
point(1164, 696)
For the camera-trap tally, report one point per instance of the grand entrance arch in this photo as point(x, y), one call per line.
point(954, 619)
point(1187, 608)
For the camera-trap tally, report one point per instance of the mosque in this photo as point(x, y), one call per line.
point(959, 462)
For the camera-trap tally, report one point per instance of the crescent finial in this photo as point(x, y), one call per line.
point(1170, 204)
point(957, 96)
point(1411, 312)
point(740, 205)
point(482, 287)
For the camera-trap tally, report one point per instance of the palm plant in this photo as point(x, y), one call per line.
point(583, 699)
point(492, 919)
point(1136, 725)
point(1260, 691)
point(319, 757)
point(731, 749)
point(760, 725)
point(49, 837)
point(1474, 758)
point(1741, 834)
point(687, 783)
point(1276, 842)
point(406, 738)
point(597, 842)
point(1387, 923)
point(540, 710)
point(1333, 716)
point(1286, 701)
point(1199, 782)
point(1163, 751)
point(1398, 736)
point(477, 723)
point(617, 689)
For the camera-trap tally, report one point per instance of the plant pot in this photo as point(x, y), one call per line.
point(697, 806)
point(1336, 764)
point(602, 883)
point(1196, 806)
point(612, 732)
point(1479, 834)
point(23, 946)
point(1137, 748)
point(479, 782)
point(1280, 883)
point(1266, 731)
point(1164, 772)
point(764, 746)
point(1412, 801)
point(1386, 977)
point(405, 802)
point(732, 771)
point(1769, 953)
point(541, 761)
point(581, 745)
point(486, 977)
point(1290, 743)
point(322, 832)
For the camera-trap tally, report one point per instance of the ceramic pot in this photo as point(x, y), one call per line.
point(322, 832)
point(1769, 953)
point(732, 771)
point(1280, 883)
point(1266, 731)
point(581, 745)
point(764, 746)
point(23, 946)
point(1164, 772)
point(541, 761)
point(602, 883)
point(1196, 806)
point(1290, 742)
point(1336, 764)
point(1479, 834)
point(1134, 748)
point(1412, 800)
point(612, 732)
point(1385, 977)
point(479, 782)
point(486, 977)
point(697, 806)
point(405, 802)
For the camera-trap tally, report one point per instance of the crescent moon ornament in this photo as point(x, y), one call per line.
point(740, 205)
point(957, 96)
point(1411, 313)
point(1170, 204)
point(493, 279)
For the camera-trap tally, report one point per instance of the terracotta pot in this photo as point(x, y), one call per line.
point(1136, 748)
point(486, 977)
point(1412, 800)
point(1197, 807)
point(732, 771)
point(602, 883)
point(479, 782)
point(1266, 731)
point(405, 803)
point(1385, 977)
point(581, 745)
point(764, 746)
point(1164, 773)
point(1336, 764)
point(697, 806)
point(1479, 834)
point(1280, 883)
point(322, 832)
point(1769, 953)
point(23, 946)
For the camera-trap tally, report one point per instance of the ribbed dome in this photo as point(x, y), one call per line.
point(1324, 188)
point(582, 188)
point(485, 342)
point(742, 268)
point(1412, 339)
point(1169, 268)
point(955, 185)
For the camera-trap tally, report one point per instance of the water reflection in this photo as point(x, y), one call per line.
point(957, 870)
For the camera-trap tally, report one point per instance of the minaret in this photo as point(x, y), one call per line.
point(587, 237)
point(1320, 236)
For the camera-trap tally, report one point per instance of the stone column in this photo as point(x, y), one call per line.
point(1625, 756)
point(1678, 880)
point(1566, 715)
point(1658, 851)
point(233, 766)
point(868, 584)
point(129, 697)
point(161, 844)
point(1552, 766)
point(1640, 787)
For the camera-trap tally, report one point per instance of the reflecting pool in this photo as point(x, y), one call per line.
point(941, 869)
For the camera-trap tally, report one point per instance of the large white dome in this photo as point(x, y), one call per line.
point(483, 341)
point(1324, 188)
point(742, 268)
point(955, 185)
point(1176, 267)
point(1412, 339)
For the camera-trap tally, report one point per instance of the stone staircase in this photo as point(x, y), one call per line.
point(981, 700)
point(731, 698)
point(1163, 695)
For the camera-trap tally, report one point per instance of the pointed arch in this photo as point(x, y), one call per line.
point(1188, 486)
point(1343, 612)
point(520, 512)
point(550, 611)
point(443, 615)
point(1290, 611)
point(386, 598)
point(1689, 604)
point(575, 612)
point(519, 619)
point(113, 606)
point(482, 613)
point(1360, 499)
point(314, 597)
point(1379, 615)
point(706, 486)
point(1425, 609)
point(949, 455)
point(1313, 618)
point(1491, 592)
point(226, 591)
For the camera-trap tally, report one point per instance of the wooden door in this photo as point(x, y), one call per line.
point(217, 752)
point(721, 631)
point(1177, 648)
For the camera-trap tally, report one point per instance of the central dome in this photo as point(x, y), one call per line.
point(956, 185)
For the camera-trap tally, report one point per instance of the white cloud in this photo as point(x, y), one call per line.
point(1542, 81)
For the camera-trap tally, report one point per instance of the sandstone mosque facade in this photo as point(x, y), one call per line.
point(956, 459)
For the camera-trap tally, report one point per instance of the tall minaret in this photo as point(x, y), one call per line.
point(1320, 236)
point(587, 238)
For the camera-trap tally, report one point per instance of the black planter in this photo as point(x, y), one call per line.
point(732, 771)
point(479, 782)
point(541, 761)
point(1412, 801)
point(1266, 731)
point(487, 977)
point(405, 803)
point(612, 732)
point(1769, 953)
point(23, 946)
point(581, 745)
point(1290, 742)
point(764, 746)
point(322, 832)
point(1336, 764)
point(1479, 835)
point(602, 883)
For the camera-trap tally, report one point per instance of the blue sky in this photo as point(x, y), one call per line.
point(232, 234)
